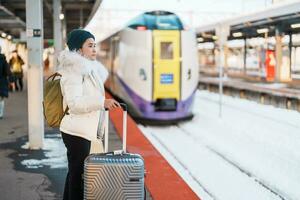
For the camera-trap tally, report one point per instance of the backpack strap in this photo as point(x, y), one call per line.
point(66, 111)
point(53, 76)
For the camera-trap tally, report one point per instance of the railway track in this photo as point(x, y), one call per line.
point(213, 152)
point(244, 110)
point(237, 166)
point(215, 156)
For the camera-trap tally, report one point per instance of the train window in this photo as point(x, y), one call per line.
point(156, 21)
point(166, 50)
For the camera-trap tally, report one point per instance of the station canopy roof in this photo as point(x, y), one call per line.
point(114, 15)
point(76, 13)
point(284, 17)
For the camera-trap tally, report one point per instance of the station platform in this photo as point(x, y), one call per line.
point(40, 174)
point(283, 95)
point(33, 174)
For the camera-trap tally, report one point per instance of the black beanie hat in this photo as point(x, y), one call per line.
point(77, 37)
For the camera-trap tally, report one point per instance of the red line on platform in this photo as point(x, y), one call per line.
point(162, 180)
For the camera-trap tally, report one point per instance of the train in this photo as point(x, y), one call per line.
point(153, 67)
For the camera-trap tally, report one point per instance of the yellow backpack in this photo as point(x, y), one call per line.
point(53, 101)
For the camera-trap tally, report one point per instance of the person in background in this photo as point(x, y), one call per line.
point(47, 71)
point(4, 74)
point(46, 63)
point(82, 84)
point(16, 63)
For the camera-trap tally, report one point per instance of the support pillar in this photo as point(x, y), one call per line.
point(81, 18)
point(222, 32)
point(57, 29)
point(245, 57)
point(282, 72)
point(226, 51)
point(290, 52)
point(34, 26)
point(278, 54)
point(64, 29)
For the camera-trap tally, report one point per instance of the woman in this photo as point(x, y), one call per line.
point(4, 74)
point(83, 92)
point(16, 63)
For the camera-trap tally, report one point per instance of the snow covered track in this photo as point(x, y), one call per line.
point(188, 134)
point(183, 166)
point(253, 152)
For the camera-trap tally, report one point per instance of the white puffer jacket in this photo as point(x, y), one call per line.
point(83, 91)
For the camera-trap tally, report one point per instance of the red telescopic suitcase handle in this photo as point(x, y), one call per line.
point(124, 107)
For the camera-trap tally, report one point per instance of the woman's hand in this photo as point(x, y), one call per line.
point(110, 104)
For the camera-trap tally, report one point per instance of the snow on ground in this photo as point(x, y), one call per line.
point(272, 85)
point(54, 151)
point(253, 152)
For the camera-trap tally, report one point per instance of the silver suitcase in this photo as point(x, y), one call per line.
point(114, 175)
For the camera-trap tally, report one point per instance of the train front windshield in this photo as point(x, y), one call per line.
point(157, 22)
point(163, 22)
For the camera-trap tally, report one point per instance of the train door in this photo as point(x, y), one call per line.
point(166, 65)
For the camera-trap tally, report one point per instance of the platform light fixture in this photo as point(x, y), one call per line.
point(9, 37)
point(116, 38)
point(206, 35)
point(3, 34)
point(61, 16)
point(295, 25)
point(200, 39)
point(262, 30)
point(237, 34)
point(214, 37)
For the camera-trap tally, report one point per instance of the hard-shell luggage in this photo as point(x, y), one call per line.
point(114, 175)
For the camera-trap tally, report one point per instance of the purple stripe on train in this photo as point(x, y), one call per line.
point(184, 108)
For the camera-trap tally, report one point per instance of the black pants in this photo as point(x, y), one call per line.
point(19, 84)
point(18, 79)
point(77, 150)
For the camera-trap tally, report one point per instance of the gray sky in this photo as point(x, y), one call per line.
point(114, 14)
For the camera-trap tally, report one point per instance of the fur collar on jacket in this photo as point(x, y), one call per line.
point(72, 62)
